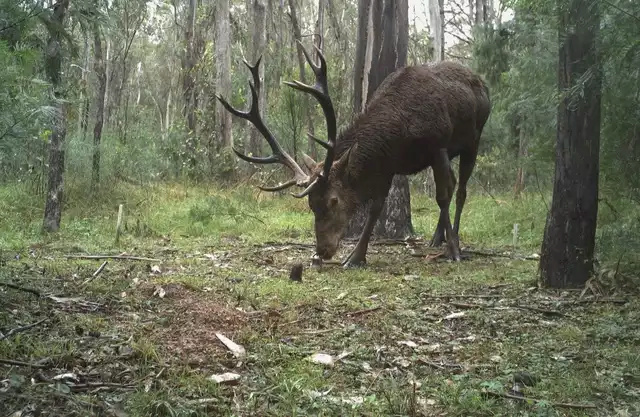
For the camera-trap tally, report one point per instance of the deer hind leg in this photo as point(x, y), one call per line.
point(467, 163)
point(358, 257)
point(444, 190)
point(438, 236)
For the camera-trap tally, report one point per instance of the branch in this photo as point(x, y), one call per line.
point(621, 10)
point(19, 288)
point(22, 329)
point(516, 397)
point(127, 257)
point(20, 363)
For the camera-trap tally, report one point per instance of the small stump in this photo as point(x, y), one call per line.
point(296, 272)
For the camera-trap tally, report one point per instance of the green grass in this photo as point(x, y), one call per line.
point(223, 259)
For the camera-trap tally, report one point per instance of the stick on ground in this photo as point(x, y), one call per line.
point(19, 288)
point(559, 405)
point(21, 329)
point(124, 257)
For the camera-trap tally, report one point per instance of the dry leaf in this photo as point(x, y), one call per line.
point(237, 350)
point(159, 291)
point(322, 359)
point(408, 343)
point(455, 315)
point(226, 378)
point(341, 295)
point(155, 269)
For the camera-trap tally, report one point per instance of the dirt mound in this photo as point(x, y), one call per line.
point(192, 320)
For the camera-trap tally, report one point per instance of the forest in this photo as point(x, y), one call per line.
point(155, 259)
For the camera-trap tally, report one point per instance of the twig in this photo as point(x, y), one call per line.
point(91, 385)
point(441, 365)
point(22, 329)
point(95, 274)
point(20, 363)
point(126, 257)
point(500, 255)
point(463, 296)
point(320, 331)
point(536, 309)
point(19, 288)
point(365, 311)
point(561, 405)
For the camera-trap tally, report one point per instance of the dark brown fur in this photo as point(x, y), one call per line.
point(414, 113)
point(420, 116)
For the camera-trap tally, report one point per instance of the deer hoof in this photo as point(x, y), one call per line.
point(354, 262)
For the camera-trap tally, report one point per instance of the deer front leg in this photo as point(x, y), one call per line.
point(358, 257)
point(444, 190)
point(438, 236)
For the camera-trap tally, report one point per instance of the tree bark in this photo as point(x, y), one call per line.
point(569, 238)
point(301, 64)
point(223, 71)
point(259, 40)
point(188, 68)
point(101, 74)
point(387, 36)
point(436, 23)
point(53, 66)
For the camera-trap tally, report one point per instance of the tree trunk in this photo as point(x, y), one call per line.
point(188, 68)
point(83, 111)
point(436, 23)
point(569, 238)
point(101, 74)
point(301, 64)
point(259, 39)
point(223, 71)
point(522, 154)
point(53, 67)
point(387, 36)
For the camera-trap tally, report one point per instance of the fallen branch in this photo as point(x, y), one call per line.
point(554, 404)
point(501, 255)
point(320, 331)
point(125, 257)
point(95, 274)
point(19, 288)
point(365, 311)
point(20, 363)
point(536, 309)
point(92, 385)
point(21, 329)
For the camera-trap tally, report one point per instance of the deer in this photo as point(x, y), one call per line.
point(420, 116)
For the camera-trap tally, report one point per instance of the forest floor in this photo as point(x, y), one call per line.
point(412, 334)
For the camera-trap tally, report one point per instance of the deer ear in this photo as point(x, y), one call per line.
point(309, 162)
point(342, 163)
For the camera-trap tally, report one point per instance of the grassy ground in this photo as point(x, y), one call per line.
point(408, 336)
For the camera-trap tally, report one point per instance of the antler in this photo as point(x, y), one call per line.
point(321, 92)
point(253, 116)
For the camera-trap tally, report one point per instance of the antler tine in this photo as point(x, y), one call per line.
point(321, 92)
point(320, 142)
point(253, 116)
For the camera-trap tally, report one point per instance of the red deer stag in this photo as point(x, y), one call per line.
point(420, 116)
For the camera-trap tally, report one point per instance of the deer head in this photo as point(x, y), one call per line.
point(329, 197)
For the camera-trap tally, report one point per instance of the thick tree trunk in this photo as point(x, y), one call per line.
point(387, 37)
point(301, 65)
point(101, 74)
point(436, 23)
point(53, 67)
point(223, 71)
point(188, 68)
point(569, 237)
point(259, 39)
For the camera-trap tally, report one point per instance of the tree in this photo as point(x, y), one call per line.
point(223, 71)
point(436, 23)
point(259, 40)
point(53, 68)
point(101, 74)
point(569, 236)
point(382, 48)
point(301, 64)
